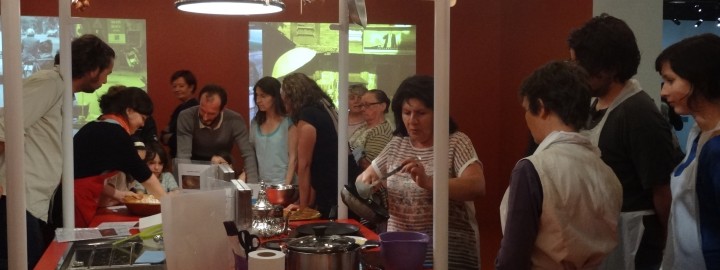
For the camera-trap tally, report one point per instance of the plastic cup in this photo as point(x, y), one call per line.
point(403, 250)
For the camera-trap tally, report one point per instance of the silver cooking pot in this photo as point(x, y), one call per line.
point(323, 252)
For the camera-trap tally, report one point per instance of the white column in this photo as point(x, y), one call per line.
point(343, 68)
point(14, 135)
point(68, 176)
point(440, 134)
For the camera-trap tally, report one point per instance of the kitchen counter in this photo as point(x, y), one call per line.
point(56, 250)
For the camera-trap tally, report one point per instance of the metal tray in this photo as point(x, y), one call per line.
point(101, 254)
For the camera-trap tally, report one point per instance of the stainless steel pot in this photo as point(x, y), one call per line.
point(323, 252)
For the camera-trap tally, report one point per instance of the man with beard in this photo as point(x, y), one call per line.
point(92, 62)
point(208, 129)
point(634, 139)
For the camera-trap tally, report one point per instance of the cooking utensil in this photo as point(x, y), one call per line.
point(147, 206)
point(365, 190)
point(403, 250)
point(368, 209)
point(321, 251)
point(332, 228)
point(249, 242)
point(275, 244)
point(282, 194)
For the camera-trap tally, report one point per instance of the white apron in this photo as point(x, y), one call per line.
point(683, 249)
point(630, 225)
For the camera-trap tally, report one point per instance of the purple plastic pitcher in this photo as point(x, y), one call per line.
point(403, 250)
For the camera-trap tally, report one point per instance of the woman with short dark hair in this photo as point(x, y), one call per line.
point(183, 84)
point(103, 148)
point(410, 191)
point(691, 86)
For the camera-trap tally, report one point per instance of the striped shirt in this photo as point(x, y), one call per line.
point(411, 206)
point(369, 142)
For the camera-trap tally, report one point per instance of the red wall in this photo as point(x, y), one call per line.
point(494, 45)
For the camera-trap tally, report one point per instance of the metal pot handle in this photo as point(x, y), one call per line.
point(319, 230)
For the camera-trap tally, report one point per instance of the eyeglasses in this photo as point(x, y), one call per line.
point(367, 105)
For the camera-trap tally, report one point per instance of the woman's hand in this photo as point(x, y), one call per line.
point(415, 168)
point(292, 207)
point(366, 183)
point(120, 195)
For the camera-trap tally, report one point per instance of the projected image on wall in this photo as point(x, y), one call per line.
point(40, 43)
point(380, 56)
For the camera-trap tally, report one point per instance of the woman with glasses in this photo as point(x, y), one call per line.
point(355, 115)
point(103, 148)
point(370, 139)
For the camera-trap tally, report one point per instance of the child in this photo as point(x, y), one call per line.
point(157, 161)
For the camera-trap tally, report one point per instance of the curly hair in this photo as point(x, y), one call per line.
point(120, 98)
point(697, 60)
point(90, 53)
point(606, 44)
point(300, 91)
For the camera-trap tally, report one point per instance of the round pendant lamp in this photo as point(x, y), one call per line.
point(231, 7)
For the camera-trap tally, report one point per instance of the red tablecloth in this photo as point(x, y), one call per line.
point(56, 250)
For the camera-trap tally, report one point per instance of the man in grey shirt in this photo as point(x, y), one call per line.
point(209, 129)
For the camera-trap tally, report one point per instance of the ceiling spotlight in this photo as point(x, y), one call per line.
point(699, 22)
point(677, 22)
point(718, 22)
point(231, 7)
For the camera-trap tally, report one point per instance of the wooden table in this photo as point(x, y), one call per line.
point(56, 250)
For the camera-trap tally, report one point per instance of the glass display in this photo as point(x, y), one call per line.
point(40, 43)
point(380, 55)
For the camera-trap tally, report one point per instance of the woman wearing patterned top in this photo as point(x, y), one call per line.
point(367, 141)
point(410, 201)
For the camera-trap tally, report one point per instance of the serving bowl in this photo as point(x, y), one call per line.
point(147, 206)
point(282, 194)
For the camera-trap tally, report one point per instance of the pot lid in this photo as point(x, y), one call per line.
point(332, 228)
point(319, 243)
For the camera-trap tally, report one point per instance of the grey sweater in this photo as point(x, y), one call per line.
point(201, 143)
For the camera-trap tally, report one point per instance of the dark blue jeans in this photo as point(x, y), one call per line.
point(35, 243)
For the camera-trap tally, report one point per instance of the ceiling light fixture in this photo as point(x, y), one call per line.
point(698, 23)
point(231, 7)
point(676, 21)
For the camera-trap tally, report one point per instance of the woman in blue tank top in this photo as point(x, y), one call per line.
point(273, 134)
